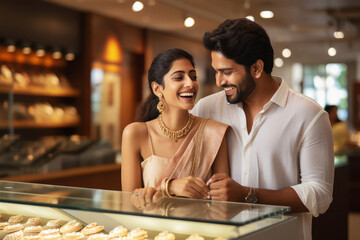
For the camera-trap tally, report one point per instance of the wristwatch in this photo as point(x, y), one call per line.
point(251, 197)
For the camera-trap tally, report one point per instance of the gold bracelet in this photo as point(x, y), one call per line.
point(167, 188)
point(164, 187)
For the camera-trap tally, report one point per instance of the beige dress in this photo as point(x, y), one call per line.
point(195, 155)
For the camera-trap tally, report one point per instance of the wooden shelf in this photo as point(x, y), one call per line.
point(41, 91)
point(105, 176)
point(23, 124)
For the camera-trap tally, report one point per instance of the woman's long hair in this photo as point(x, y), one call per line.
point(160, 66)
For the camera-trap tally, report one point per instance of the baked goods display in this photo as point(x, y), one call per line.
point(55, 223)
point(137, 234)
point(92, 228)
point(72, 226)
point(119, 231)
point(24, 79)
point(33, 221)
point(195, 236)
point(15, 219)
point(165, 235)
point(35, 228)
point(13, 228)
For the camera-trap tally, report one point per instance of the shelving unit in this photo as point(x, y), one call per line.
point(32, 93)
point(40, 91)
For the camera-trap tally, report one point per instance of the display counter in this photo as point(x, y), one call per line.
point(180, 216)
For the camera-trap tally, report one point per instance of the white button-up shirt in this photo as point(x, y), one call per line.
point(290, 145)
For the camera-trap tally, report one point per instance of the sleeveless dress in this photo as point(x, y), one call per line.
point(194, 156)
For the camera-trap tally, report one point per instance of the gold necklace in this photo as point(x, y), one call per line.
point(175, 134)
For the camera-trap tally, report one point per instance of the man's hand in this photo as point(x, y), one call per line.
point(224, 188)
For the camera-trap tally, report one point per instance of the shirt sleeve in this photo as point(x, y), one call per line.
point(316, 166)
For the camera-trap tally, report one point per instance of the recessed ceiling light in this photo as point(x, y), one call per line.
point(137, 6)
point(266, 14)
point(250, 18)
point(338, 34)
point(279, 62)
point(189, 22)
point(286, 53)
point(332, 51)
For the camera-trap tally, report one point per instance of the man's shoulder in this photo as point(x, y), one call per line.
point(209, 104)
point(303, 102)
point(218, 97)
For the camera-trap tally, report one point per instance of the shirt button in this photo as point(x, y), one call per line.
point(245, 173)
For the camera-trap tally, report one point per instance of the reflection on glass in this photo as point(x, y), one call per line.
point(120, 202)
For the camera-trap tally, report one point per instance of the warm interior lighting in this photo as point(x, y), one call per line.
point(26, 50)
point(112, 51)
point(279, 62)
point(266, 14)
point(332, 51)
point(338, 34)
point(57, 55)
point(250, 18)
point(137, 6)
point(189, 22)
point(69, 56)
point(11, 48)
point(286, 53)
point(40, 52)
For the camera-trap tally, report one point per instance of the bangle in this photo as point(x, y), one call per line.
point(165, 187)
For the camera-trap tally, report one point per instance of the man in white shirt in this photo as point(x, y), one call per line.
point(281, 144)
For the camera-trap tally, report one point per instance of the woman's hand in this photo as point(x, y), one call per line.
point(142, 198)
point(190, 187)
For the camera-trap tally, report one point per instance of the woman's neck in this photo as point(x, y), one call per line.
point(175, 120)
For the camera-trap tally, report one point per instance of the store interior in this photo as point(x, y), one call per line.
point(73, 74)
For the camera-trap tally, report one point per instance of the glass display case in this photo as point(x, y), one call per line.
point(180, 216)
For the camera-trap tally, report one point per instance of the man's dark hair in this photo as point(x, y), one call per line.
point(243, 41)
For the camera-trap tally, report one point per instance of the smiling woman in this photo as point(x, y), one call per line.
point(170, 152)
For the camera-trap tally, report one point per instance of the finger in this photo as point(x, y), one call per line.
point(216, 177)
point(157, 196)
point(149, 194)
point(216, 194)
point(201, 187)
point(141, 198)
point(217, 185)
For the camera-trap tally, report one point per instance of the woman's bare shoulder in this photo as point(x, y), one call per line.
point(135, 130)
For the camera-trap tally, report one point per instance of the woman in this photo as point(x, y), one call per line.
point(172, 152)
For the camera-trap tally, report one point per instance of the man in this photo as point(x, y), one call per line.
point(280, 145)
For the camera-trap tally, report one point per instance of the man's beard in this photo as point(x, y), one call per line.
point(242, 92)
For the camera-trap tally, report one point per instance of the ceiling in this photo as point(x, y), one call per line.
point(306, 27)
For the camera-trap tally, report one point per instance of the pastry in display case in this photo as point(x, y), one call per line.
point(55, 212)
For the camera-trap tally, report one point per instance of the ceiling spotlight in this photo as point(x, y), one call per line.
point(11, 48)
point(250, 18)
point(57, 54)
point(332, 51)
point(40, 52)
point(286, 53)
point(189, 22)
point(26, 50)
point(137, 6)
point(266, 14)
point(338, 34)
point(69, 56)
point(279, 62)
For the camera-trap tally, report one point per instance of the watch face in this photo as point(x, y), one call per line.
point(251, 197)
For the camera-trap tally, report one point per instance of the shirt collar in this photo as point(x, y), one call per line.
point(281, 93)
point(279, 97)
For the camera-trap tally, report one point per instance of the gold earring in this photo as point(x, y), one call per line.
point(160, 106)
